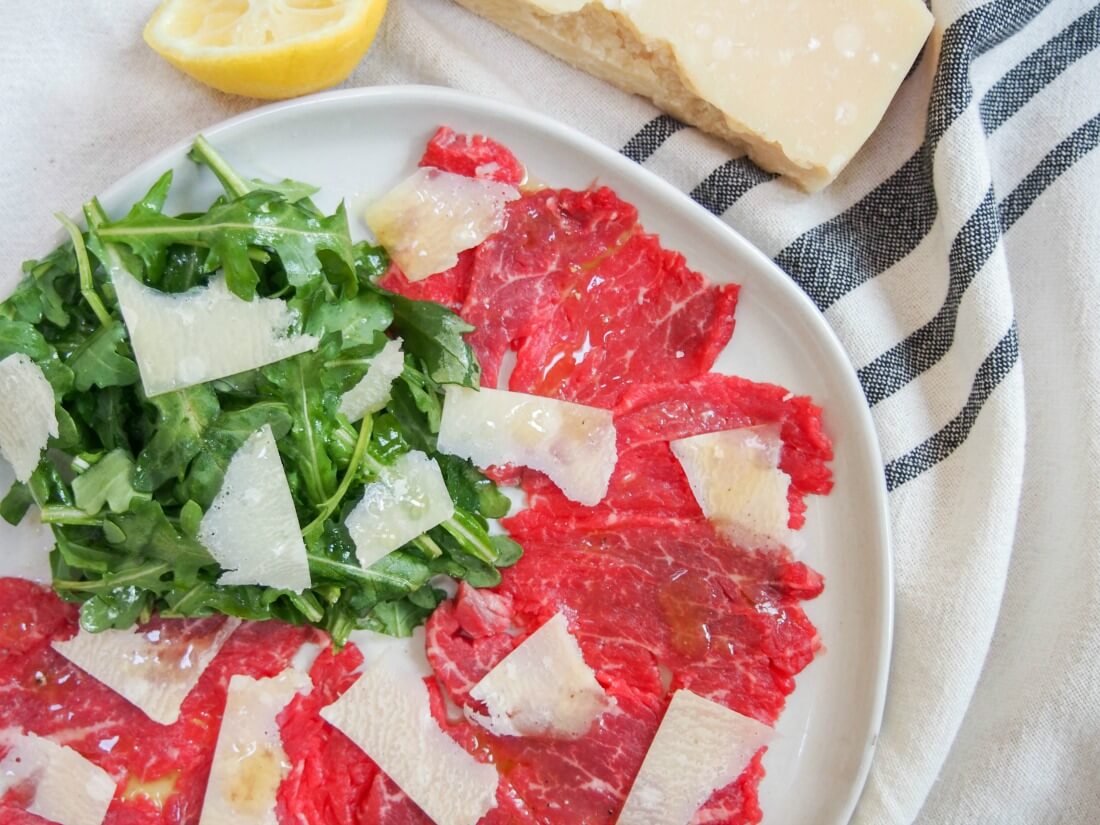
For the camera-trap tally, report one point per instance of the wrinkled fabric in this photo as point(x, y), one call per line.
point(955, 258)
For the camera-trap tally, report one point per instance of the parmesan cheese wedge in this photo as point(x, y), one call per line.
point(251, 528)
point(153, 670)
point(573, 444)
point(387, 714)
point(249, 760)
point(800, 84)
point(431, 216)
point(542, 688)
point(735, 477)
point(409, 499)
point(372, 393)
point(27, 414)
point(68, 789)
point(204, 334)
point(701, 746)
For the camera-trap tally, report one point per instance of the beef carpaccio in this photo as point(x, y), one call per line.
point(597, 312)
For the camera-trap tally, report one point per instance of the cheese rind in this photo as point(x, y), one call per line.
point(573, 444)
point(800, 85)
point(700, 746)
point(430, 217)
point(387, 714)
point(27, 414)
point(735, 477)
point(180, 340)
point(372, 393)
point(249, 760)
point(68, 789)
point(542, 688)
point(251, 528)
point(154, 671)
point(409, 498)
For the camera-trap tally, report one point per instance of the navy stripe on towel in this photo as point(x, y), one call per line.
point(942, 444)
point(971, 249)
point(650, 138)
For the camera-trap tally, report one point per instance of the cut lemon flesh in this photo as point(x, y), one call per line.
point(265, 48)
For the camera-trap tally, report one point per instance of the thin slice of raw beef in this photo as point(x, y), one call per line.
point(474, 156)
point(448, 287)
point(649, 480)
point(520, 274)
point(656, 605)
point(641, 314)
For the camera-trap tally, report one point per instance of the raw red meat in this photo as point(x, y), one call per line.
point(45, 694)
point(330, 780)
point(521, 273)
point(474, 156)
point(448, 288)
point(686, 610)
point(648, 478)
point(640, 312)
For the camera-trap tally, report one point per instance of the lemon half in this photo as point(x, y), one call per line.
point(265, 48)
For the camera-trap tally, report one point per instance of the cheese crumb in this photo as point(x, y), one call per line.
point(181, 340)
point(572, 443)
point(431, 216)
point(700, 746)
point(68, 789)
point(735, 477)
point(27, 415)
point(543, 687)
point(154, 671)
point(387, 713)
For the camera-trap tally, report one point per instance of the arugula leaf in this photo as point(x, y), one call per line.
point(38, 297)
point(21, 337)
point(147, 532)
point(471, 489)
point(359, 320)
point(109, 481)
point(119, 608)
point(258, 219)
point(98, 362)
point(297, 382)
point(434, 334)
point(16, 502)
point(398, 618)
point(184, 416)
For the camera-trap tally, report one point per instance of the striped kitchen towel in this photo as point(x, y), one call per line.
point(954, 258)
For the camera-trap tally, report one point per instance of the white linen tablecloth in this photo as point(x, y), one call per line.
point(956, 259)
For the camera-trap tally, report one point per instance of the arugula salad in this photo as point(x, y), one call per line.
point(130, 475)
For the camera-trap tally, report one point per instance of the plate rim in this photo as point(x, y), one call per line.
point(618, 163)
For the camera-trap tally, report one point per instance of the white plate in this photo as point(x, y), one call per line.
point(356, 144)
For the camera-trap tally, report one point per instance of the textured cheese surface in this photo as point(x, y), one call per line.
point(68, 789)
point(249, 760)
point(573, 444)
point(180, 340)
point(736, 479)
point(387, 714)
point(701, 746)
point(373, 392)
point(251, 528)
point(27, 415)
point(801, 84)
point(543, 687)
point(151, 670)
point(409, 499)
point(431, 216)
